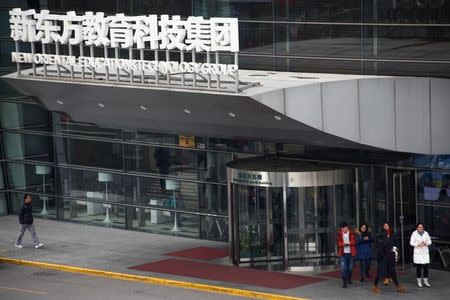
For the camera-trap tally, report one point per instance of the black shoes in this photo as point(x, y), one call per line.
point(344, 284)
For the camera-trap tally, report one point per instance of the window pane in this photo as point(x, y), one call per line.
point(151, 137)
point(345, 205)
point(159, 7)
point(419, 11)
point(318, 40)
point(99, 154)
point(102, 186)
point(83, 5)
point(43, 206)
point(436, 220)
point(318, 10)
point(24, 116)
point(166, 193)
point(318, 65)
point(166, 222)
point(31, 178)
point(407, 42)
point(213, 228)
point(213, 199)
point(63, 124)
point(243, 9)
point(434, 187)
point(407, 69)
point(94, 213)
point(3, 206)
point(380, 196)
point(256, 37)
point(28, 146)
point(161, 160)
point(212, 166)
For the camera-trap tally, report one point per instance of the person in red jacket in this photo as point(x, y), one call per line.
point(346, 248)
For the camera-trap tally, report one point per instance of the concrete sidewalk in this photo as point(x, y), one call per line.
point(116, 250)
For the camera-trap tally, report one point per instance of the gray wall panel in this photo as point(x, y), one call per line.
point(440, 116)
point(412, 115)
point(304, 104)
point(273, 99)
point(377, 112)
point(340, 108)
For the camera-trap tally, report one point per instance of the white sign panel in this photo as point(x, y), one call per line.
point(141, 32)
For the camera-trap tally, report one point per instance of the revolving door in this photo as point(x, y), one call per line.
point(288, 212)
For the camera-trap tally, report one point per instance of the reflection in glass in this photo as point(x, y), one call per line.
point(82, 184)
point(436, 219)
point(94, 213)
point(28, 146)
point(252, 221)
point(161, 160)
point(3, 206)
point(318, 10)
point(100, 154)
point(318, 40)
point(148, 191)
point(161, 221)
point(28, 177)
point(213, 228)
point(24, 116)
point(434, 187)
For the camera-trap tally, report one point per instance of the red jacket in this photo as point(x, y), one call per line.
point(340, 242)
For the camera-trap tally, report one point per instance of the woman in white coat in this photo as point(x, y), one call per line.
point(420, 240)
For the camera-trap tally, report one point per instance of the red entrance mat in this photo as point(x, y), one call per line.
point(267, 279)
point(355, 273)
point(202, 253)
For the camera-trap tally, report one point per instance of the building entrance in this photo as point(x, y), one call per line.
point(288, 211)
point(403, 210)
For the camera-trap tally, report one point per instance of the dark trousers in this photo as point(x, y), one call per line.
point(419, 268)
point(364, 267)
point(394, 279)
point(346, 267)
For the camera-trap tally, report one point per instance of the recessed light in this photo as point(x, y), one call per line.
point(277, 118)
point(101, 105)
point(231, 114)
point(59, 102)
point(143, 107)
point(187, 111)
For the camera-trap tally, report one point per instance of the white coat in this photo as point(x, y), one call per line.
point(421, 253)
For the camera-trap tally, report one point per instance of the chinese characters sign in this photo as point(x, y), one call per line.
point(70, 33)
point(256, 179)
point(141, 32)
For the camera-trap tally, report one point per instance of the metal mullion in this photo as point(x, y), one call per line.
point(123, 204)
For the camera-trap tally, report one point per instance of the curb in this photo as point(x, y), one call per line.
point(152, 280)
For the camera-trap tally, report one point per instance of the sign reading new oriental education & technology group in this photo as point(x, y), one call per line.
point(135, 33)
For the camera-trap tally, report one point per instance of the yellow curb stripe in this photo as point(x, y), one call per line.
point(22, 290)
point(152, 280)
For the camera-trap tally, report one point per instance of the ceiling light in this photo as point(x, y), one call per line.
point(59, 102)
point(231, 114)
point(143, 107)
point(277, 118)
point(101, 105)
point(187, 111)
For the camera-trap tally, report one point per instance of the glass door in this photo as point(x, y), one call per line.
point(260, 222)
point(310, 223)
point(404, 211)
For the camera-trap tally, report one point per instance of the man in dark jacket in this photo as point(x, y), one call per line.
point(26, 220)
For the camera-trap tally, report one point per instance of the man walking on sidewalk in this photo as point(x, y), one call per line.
point(26, 220)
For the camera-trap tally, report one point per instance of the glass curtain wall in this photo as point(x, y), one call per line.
point(107, 177)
